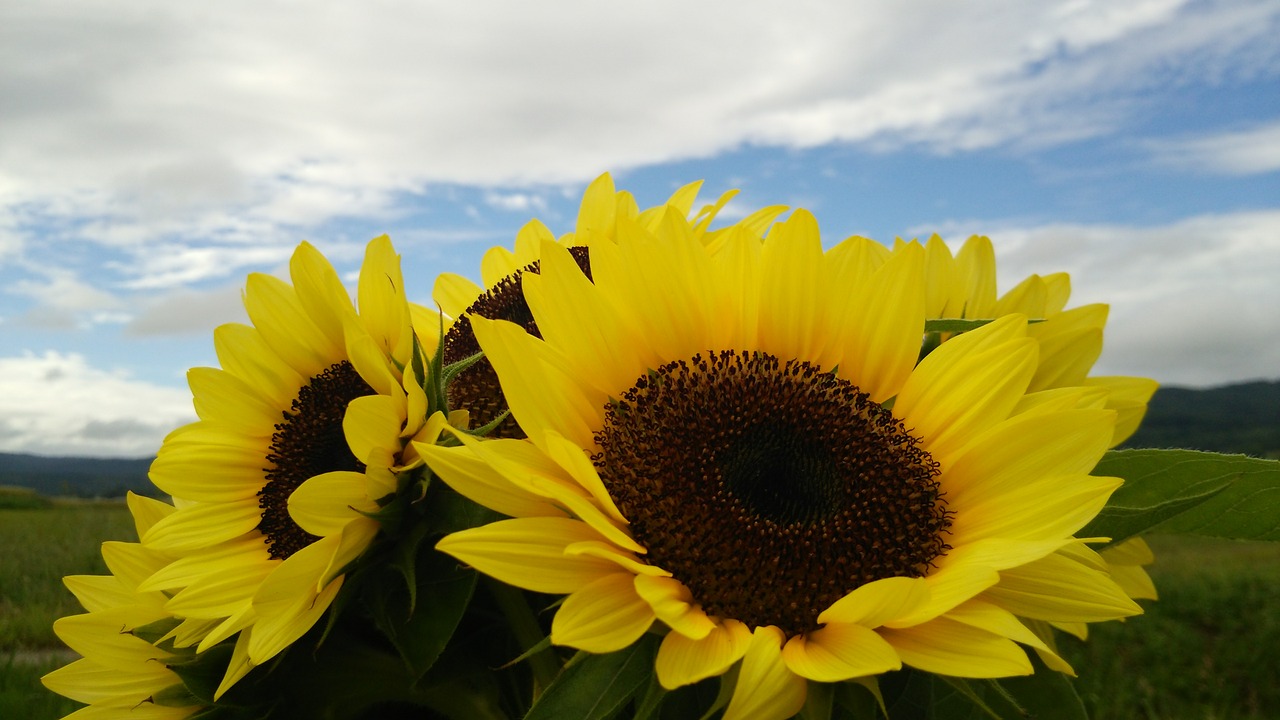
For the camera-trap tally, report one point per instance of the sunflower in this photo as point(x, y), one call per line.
point(502, 271)
point(736, 446)
point(121, 671)
point(312, 407)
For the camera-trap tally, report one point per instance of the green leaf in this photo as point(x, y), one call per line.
point(1190, 492)
point(1046, 695)
point(597, 686)
point(818, 702)
point(420, 627)
point(959, 325)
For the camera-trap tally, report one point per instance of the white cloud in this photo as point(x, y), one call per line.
point(188, 312)
point(163, 120)
point(1192, 303)
point(63, 300)
point(516, 201)
point(57, 404)
point(1243, 152)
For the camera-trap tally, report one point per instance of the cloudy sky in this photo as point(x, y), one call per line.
point(153, 153)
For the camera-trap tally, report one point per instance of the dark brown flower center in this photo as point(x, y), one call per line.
point(769, 489)
point(476, 389)
point(308, 442)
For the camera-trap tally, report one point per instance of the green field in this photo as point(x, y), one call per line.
point(1205, 651)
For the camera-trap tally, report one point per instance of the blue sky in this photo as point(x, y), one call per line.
point(152, 155)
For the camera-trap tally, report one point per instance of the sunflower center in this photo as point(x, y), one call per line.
point(308, 442)
point(476, 389)
point(769, 489)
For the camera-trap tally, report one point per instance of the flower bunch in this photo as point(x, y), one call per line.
point(645, 469)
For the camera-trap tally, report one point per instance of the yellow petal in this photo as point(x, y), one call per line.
point(276, 632)
point(372, 423)
point(454, 293)
point(949, 406)
point(476, 479)
point(530, 553)
point(682, 660)
point(604, 616)
point(839, 651)
point(1057, 588)
point(222, 397)
point(244, 353)
point(87, 681)
point(884, 324)
point(1025, 448)
point(539, 392)
point(325, 504)
point(674, 605)
point(204, 525)
point(948, 647)
point(384, 310)
point(239, 666)
point(275, 310)
point(878, 602)
point(766, 688)
point(222, 595)
point(1042, 508)
point(321, 293)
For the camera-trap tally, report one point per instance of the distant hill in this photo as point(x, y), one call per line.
point(1242, 418)
point(77, 476)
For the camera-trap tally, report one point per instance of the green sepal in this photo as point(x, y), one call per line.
point(598, 686)
point(420, 636)
point(453, 370)
point(1189, 492)
point(648, 704)
point(819, 702)
point(202, 673)
point(859, 698)
point(1044, 695)
point(156, 631)
point(959, 325)
point(728, 684)
point(484, 430)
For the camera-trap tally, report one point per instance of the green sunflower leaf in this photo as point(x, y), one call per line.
point(420, 624)
point(597, 686)
point(1045, 695)
point(1189, 492)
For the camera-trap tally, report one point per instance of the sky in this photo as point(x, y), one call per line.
point(152, 154)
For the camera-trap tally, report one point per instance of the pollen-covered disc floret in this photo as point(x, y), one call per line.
point(770, 489)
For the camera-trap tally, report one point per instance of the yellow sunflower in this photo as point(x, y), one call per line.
point(255, 554)
point(737, 445)
point(120, 672)
point(501, 270)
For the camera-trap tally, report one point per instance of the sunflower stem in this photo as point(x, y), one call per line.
point(528, 632)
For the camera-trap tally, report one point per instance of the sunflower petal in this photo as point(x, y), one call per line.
point(839, 651)
point(947, 647)
point(767, 689)
point(530, 553)
point(604, 616)
point(682, 660)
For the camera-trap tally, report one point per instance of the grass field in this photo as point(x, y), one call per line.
point(1205, 651)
